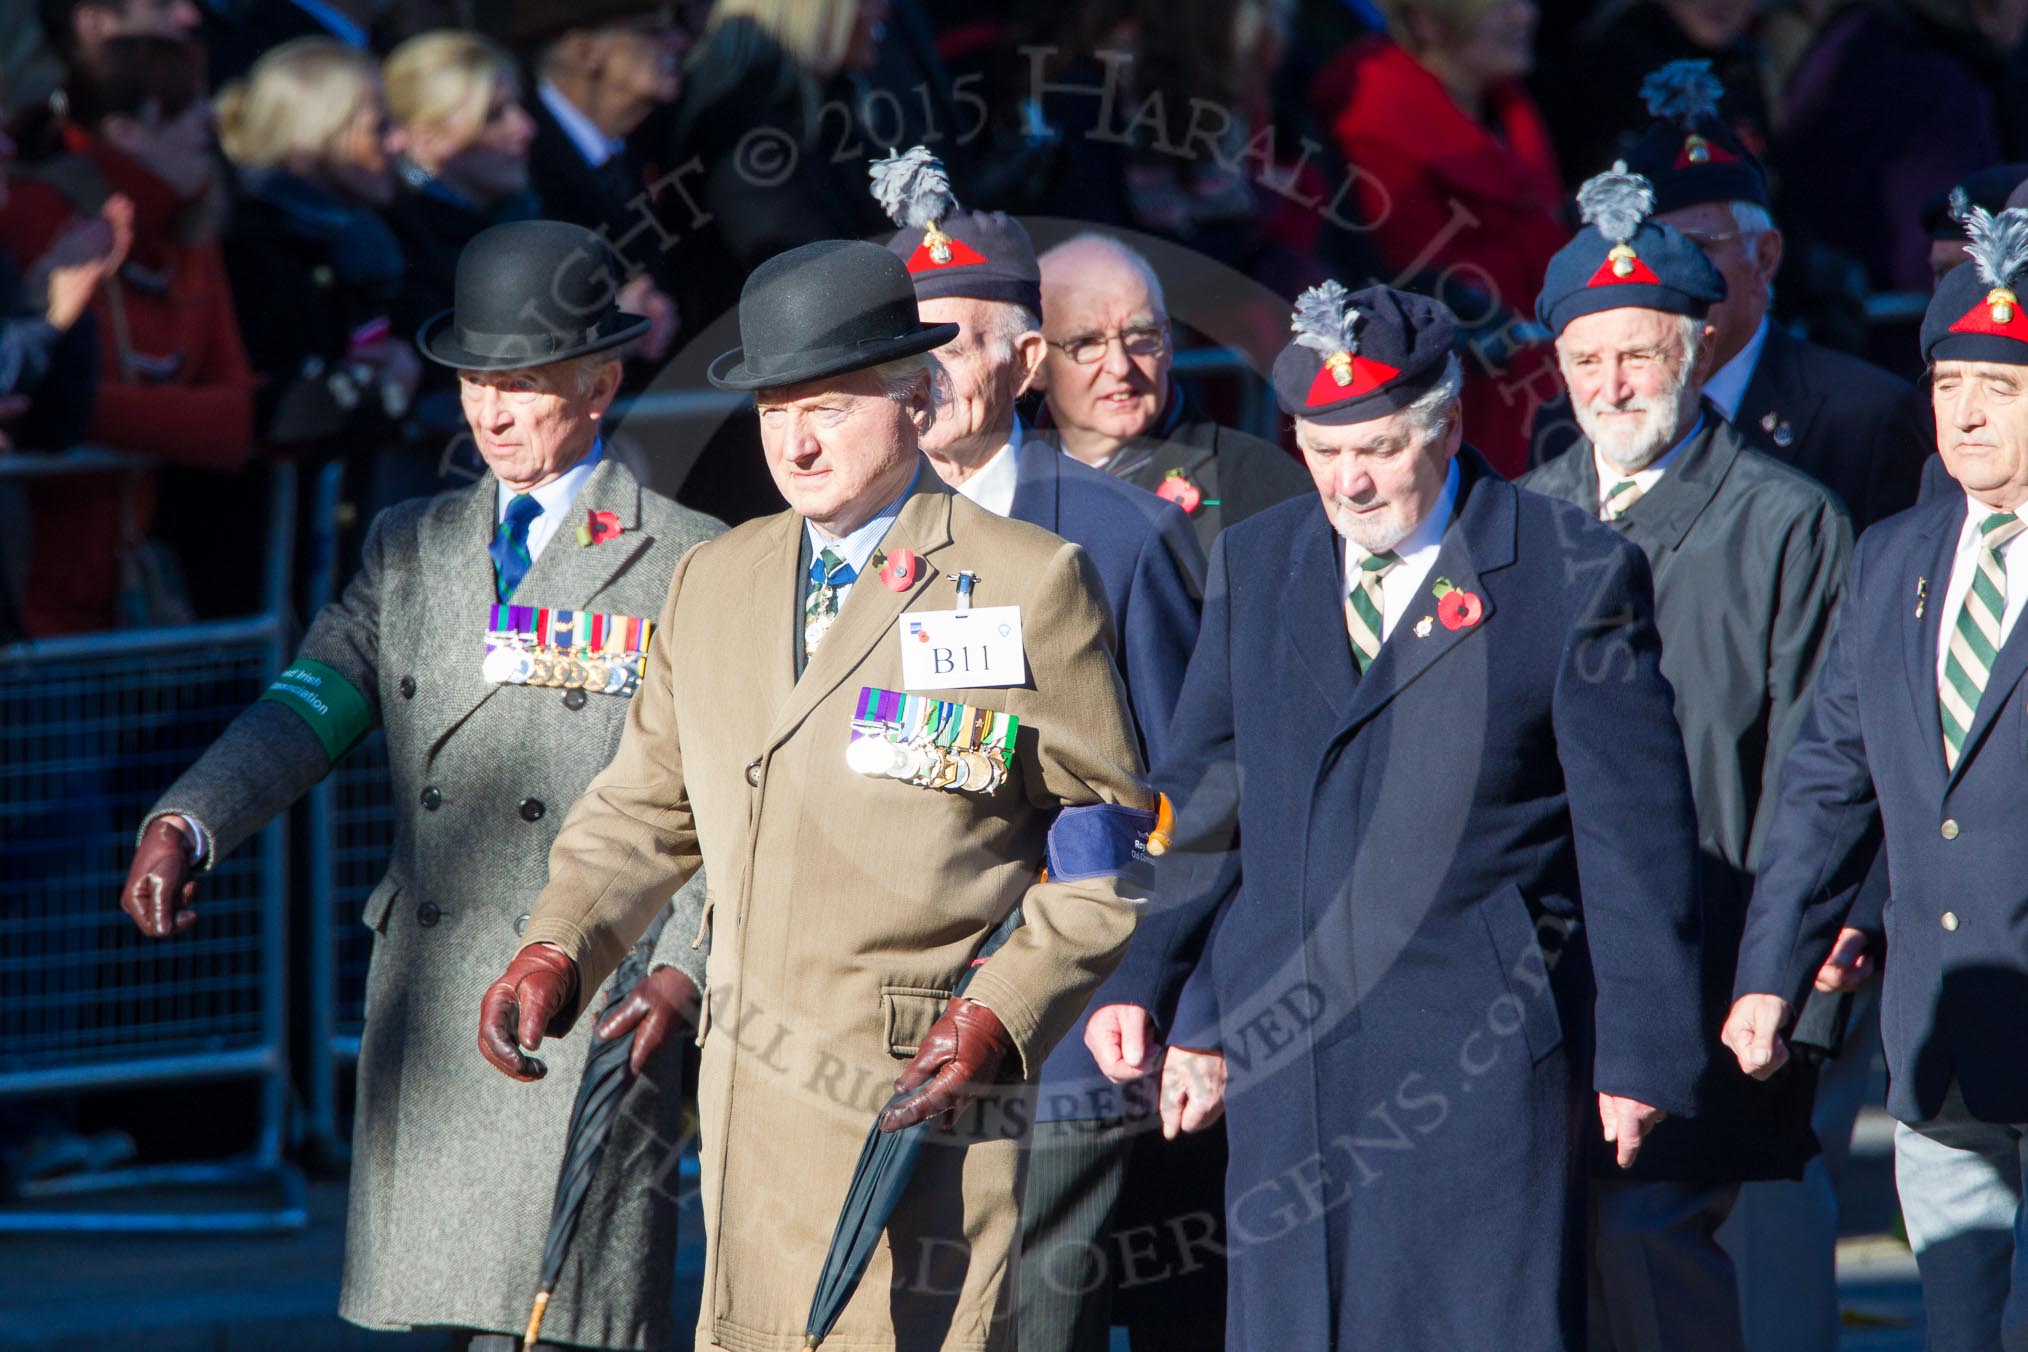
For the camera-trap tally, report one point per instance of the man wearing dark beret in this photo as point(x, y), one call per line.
point(1914, 737)
point(1434, 826)
point(1749, 560)
point(1854, 428)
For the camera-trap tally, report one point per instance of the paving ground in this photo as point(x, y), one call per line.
point(212, 1293)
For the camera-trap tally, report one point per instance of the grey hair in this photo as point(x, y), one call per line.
point(1750, 219)
point(1006, 321)
point(1691, 329)
point(1434, 408)
point(1126, 254)
point(901, 378)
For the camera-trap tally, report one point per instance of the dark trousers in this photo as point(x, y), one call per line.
point(1074, 1174)
point(1659, 1281)
point(1119, 1226)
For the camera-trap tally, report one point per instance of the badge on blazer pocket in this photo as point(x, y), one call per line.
point(907, 1013)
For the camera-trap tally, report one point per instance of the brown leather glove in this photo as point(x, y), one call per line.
point(159, 885)
point(960, 1056)
point(521, 1005)
point(659, 1004)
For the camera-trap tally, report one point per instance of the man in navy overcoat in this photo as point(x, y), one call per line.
point(1433, 812)
point(1918, 725)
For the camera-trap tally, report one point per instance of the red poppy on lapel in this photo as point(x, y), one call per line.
point(1177, 488)
point(899, 570)
point(598, 527)
point(1457, 609)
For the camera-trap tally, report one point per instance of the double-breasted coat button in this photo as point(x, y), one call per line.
point(427, 914)
point(1950, 829)
point(432, 798)
point(532, 809)
point(1950, 921)
point(573, 699)
point(753, 774)
point(520, 923)
point(407, 687)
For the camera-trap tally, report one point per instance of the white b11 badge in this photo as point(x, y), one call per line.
point(957, 649)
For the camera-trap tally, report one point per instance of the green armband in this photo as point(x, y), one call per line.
point(330, 704)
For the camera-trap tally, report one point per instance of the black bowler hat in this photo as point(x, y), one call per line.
point(949, 252)
point(1976, 313)
point(824, 309)
point(1360, 355)
point(1689, 154)
point(529, 293)
point(1622, 259)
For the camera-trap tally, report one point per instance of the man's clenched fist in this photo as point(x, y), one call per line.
point(519, 1008)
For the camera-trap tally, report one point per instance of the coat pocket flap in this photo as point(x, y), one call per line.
point(1517, 944)
point(379, 902)
point(907, 1013)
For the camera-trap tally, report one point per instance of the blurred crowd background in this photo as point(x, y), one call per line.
point(224, 222)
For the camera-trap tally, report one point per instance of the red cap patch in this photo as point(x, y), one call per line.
point(961, 255)
point(1638, 272)
point(1697, 151)
point(1367, 376)
point(1979, 319)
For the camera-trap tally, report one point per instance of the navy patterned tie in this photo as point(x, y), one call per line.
point(510, 544)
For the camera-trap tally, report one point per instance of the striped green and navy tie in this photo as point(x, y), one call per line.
point(1975, 638)
point(1619, 498)
point(1366, 608)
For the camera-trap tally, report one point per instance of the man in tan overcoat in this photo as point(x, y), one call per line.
point(861, 847)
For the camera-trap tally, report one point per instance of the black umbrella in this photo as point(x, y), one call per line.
point(605, 1082)
point(878, 1182)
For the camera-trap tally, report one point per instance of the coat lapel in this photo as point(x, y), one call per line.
point(2008, 666)
point(871, 609)
point(1666, 512)
point(778, 587)
point(1926, 576)
point(458, 582)
point(566, 576)
point(1777, 397)
point(1038, 471)
point(1479, 540)
point(1313, 610)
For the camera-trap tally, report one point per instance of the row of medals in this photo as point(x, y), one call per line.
point(609, 674)
point(925, 764)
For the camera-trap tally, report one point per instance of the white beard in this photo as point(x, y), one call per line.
point(1374, 534)
point(1632, 449)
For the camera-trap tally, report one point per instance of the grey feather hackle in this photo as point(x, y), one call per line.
point(913, 188)
point(1616, 202)
point(1323, 322)
point(1685, 92)
point(1998, 244)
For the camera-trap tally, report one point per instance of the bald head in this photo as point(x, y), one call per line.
point(1102, 301)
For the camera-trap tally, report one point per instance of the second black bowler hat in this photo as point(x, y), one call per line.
point(824, 309)
point(529, 293)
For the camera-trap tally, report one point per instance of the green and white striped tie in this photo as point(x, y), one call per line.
point(1975, 638)
point(1618, 499)
point(1366, 608)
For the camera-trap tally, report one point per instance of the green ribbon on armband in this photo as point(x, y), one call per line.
point(321, 697)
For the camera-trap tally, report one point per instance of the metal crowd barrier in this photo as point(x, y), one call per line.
point(92, 729)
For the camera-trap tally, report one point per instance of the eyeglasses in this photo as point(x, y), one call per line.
point(1087, 349)
point(1709, 242)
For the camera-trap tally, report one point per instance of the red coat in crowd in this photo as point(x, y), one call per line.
point(175, 383)
point(1474, 205)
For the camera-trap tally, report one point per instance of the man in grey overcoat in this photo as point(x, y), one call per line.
point(497, 634)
